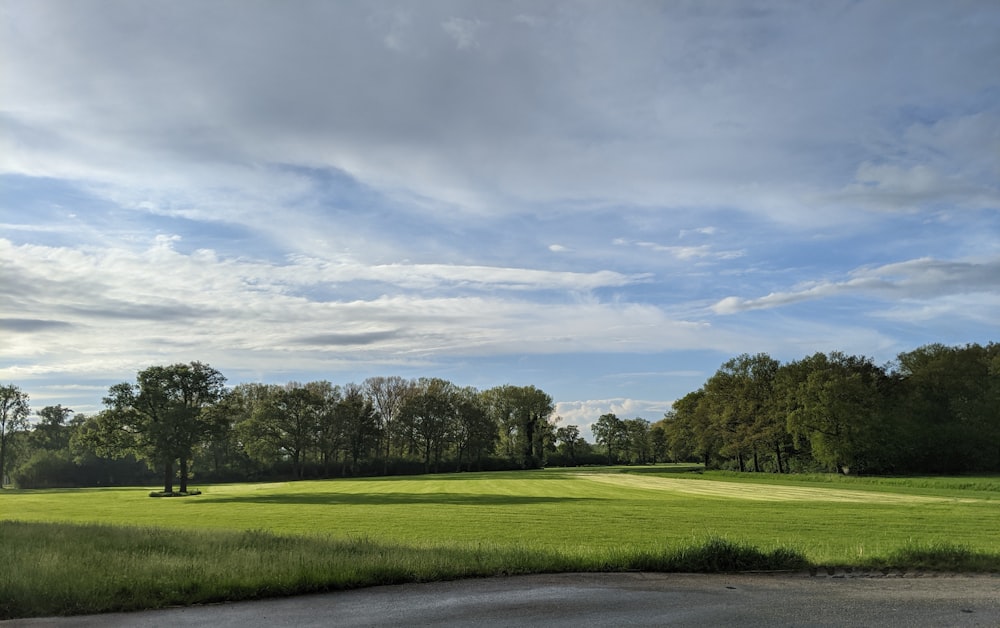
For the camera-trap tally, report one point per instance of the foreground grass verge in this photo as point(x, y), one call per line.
point(69, 569)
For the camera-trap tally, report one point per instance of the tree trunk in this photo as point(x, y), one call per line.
point(777, 456)
point(756, 461)
point(184, 474)
point(388, 453)
point(3, 457)
point(168, 477)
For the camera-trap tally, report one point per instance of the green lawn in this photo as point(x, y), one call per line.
point(429, 527)
point(561, 510)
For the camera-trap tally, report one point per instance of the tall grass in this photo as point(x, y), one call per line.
point(65, 569)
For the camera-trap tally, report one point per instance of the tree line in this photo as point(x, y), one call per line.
point(181, 419)
point(935, 409)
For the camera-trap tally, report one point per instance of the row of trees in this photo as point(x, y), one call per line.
point(935, 409)
point(181, 416)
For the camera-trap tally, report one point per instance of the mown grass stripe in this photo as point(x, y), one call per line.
point(765, 492)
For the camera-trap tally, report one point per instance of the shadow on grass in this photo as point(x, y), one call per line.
point(387, 499)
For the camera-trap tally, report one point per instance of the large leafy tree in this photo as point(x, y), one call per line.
point(523, 414)
point(283, 423)
point(570, 442)
point(387, 395)
point(475, 430)
point(14, 412)
point(500, 403)
point(948, 394)
point(609, 431)
point(431, 412)
point(161, 416)
point(534, 408)
point(658, 442)
point(331, 436)
point(741, 400)
point(690, 431)
point(835, 402)
point(357, 417)
point(637, 444)
point(51, 433)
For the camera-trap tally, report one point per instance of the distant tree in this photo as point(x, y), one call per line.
point(359, 422)
point(569, 439)
point(476, 431)
point(233, 444)
point(160, 417)
point(523, 414)
point(51, 432)
point(636, 444)
point(690, 431)
point(431, 412)
point(47, 460)
point(501, 404)
point(14, 412)
point(609, 431)
point(658, 442)
point(283, 424)
point(387, 395)
point(331, 437)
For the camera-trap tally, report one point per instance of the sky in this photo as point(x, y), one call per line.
point(606, 200)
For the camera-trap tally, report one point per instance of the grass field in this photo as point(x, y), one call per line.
point(352, 532)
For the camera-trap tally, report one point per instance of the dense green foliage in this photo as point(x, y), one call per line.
point(13, 419)
point(160, 418)
point(91, 550)
point(935, 410)
point(180, 421)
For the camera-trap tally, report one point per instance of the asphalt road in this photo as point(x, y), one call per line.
point(630, 599)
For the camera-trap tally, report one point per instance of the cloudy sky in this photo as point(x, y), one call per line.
point(606, 200)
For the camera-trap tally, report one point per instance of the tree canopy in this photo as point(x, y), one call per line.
point(14, 411)
point(161, 417)
point(935, 409)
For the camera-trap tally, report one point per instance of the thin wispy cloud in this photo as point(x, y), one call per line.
point(920, 279)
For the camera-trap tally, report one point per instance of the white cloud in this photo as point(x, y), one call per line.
point(118, 307)
point(920, 279)
point(463, 31)
point(527, 19)
point(888, 186)
point(700, 230)
point(585, 413)
point(673, 108)
point(684, 253)
point(353, 191)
